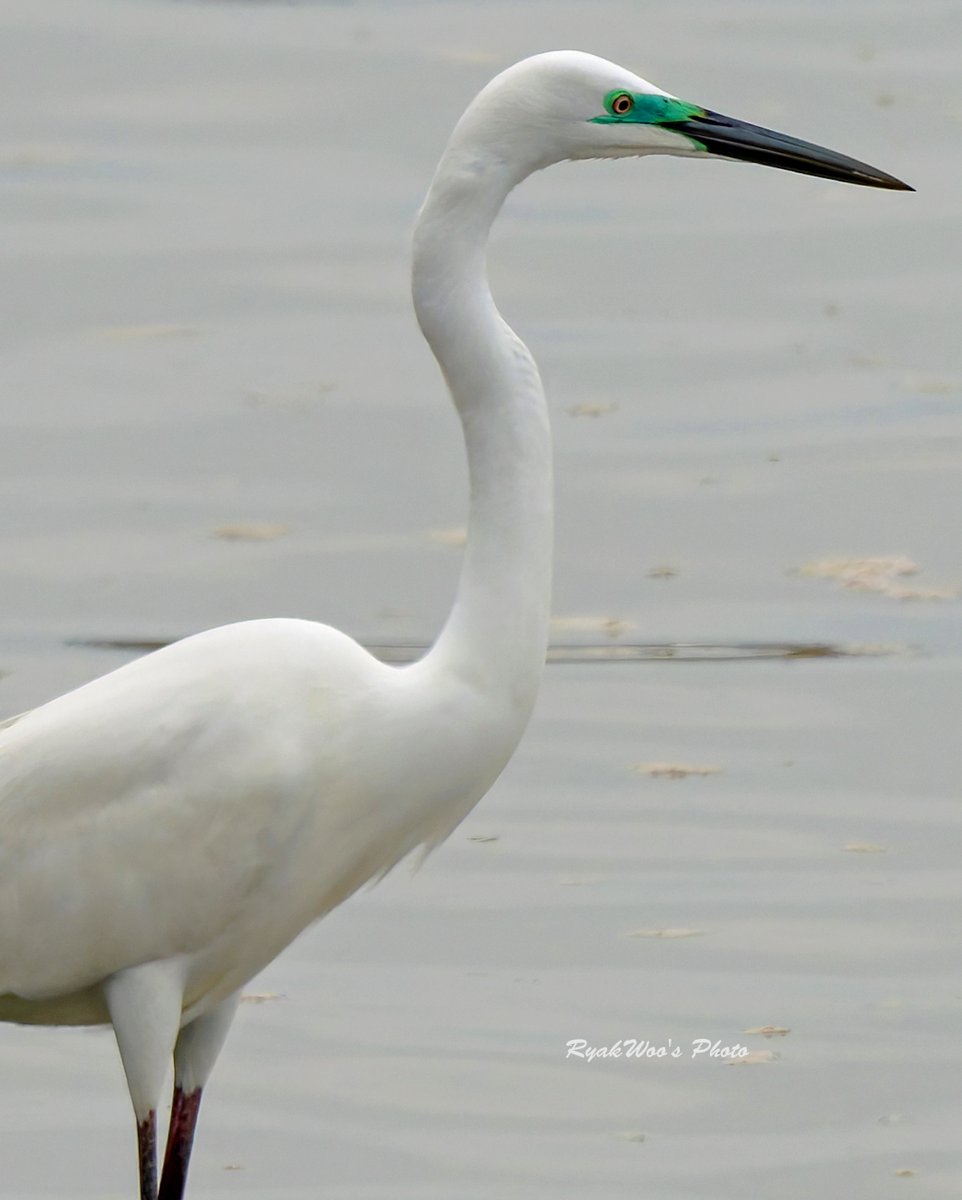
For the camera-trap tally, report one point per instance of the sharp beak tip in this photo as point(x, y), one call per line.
point(887, 183)
point(728, 137)
point(881, 179)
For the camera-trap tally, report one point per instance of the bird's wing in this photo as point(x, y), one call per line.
point(140, 814)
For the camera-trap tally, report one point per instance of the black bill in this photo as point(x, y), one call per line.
point(731, 138)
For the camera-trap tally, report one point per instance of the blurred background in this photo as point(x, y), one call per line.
point(215, 405)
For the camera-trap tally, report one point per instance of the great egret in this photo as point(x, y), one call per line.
point(168, 828)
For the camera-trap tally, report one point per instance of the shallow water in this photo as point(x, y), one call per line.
point(205, 334)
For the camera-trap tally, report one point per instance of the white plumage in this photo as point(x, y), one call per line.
point(167, 829)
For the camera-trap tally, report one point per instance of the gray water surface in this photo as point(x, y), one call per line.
point(215, 406)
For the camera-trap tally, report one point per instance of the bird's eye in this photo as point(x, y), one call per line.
point(621, 103)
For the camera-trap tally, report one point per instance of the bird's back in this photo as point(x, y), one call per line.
point(209, 801)
point(142, 814)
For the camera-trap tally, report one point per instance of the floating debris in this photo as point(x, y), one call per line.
point(458, 54)
point(876, 574)
point(878, 650)
point(931, 385)
point(261, 997)
point(255, 531)
point(861, 574)
point(662, 572)
point(865, 848)
point(456, 536)
point(754, 1058)
point(591, 410)
point(611, 627)
point(484, 838)
point(664, 770)
point(50, 155)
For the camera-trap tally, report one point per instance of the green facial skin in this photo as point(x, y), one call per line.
point(649, 110)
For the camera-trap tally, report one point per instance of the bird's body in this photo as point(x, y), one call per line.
point(167, 829)
point(216, 819)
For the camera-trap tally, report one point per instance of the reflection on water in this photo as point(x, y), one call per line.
point(588, 652)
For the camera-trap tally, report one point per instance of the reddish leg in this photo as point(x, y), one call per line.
point(147, 1154)
point(180, 1139)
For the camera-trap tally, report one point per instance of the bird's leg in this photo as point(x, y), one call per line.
point(195, 1053)
point(180, 1141)
point(145, 1004)
point(147, 1155)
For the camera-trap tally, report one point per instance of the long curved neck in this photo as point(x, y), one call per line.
point(496, 635)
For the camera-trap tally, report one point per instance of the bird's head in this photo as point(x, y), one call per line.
point(569, 105)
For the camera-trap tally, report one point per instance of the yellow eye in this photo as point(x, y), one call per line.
point(622, 104)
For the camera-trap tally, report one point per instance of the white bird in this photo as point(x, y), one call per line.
point(169, 828)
